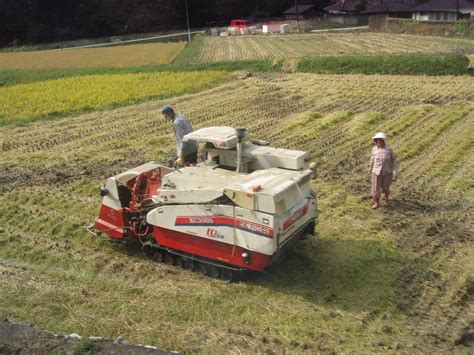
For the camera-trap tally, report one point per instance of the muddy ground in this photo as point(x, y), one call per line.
point(29, 339)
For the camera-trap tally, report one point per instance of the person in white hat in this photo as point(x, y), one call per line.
point(383, 165)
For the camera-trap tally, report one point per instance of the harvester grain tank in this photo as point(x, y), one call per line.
point(238, 209)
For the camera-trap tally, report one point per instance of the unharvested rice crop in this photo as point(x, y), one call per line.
point(323, 44)
point(398, 279)
point(119, 56)
point(27, 102)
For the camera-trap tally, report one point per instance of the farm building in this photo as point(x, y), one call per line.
point(392, 8)
point(347, 7)
point(347, 12)
point(444, 10)
point(300, 12)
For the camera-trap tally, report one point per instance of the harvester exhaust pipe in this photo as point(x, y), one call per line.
point(240, 132)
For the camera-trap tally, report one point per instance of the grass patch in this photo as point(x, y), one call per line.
point(425, 140)
point(86, 347)
point(190, 50)
point(406, 64)
point(364, 121)
point(301, 122)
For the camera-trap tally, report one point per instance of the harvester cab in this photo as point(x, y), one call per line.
point(233, 149)
point(240, 208)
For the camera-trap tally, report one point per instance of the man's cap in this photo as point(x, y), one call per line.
point(380, 135)
point(166, 109)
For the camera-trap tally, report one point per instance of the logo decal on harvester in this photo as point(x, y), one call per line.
point(224, 221)
point(201, 220)
point(212, 233)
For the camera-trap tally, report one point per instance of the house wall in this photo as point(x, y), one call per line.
point(434, 28)
point(358, 20)
point(434, 16)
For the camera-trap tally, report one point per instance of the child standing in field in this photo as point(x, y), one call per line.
point(382, 167)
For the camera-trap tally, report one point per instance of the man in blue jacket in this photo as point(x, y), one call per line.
point(186, 151)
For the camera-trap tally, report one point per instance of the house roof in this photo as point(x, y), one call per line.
point(346, 6)
point(300, 9)
point(387, 7)
point(446, 5)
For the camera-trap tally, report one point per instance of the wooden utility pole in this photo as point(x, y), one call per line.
point(297, 17)
point(187, 20)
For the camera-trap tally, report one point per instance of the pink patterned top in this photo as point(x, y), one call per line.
point(382, 161)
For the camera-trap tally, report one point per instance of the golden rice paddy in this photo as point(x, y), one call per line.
point(27, 102)
point(119, 56)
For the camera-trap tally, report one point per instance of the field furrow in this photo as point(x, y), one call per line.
point(324, 44)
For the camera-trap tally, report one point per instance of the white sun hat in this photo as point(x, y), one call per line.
point(380, 135)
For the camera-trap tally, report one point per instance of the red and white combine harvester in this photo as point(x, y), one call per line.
point(239, 209)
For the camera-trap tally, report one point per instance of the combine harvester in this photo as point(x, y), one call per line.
point(242, 207)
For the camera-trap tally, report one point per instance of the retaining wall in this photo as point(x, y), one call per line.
point(434, 28)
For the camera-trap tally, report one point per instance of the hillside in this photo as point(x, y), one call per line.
point(34, 21)
point(395, 279)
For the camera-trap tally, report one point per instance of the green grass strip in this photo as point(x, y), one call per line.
point(24, 76)
point(407, 64)
point(403, 64)
point(190, 51)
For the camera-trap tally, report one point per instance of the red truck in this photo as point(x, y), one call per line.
point(240, 23)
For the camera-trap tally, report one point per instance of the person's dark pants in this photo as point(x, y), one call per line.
point(191, 158)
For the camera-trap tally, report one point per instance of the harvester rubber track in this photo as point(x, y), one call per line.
point(212, 269)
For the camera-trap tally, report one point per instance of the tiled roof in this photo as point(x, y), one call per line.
point(446, 5)
point(387, 7)
point(346, 6)
point(334, 7)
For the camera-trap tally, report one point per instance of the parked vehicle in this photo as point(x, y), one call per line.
point(240, 23)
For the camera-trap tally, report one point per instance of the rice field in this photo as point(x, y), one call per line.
point(323, 44)
point(118, 56)
point(471, 60)
point(398, 279)
point(56, 98)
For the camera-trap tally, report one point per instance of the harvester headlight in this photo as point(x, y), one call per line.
point(246, 257)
